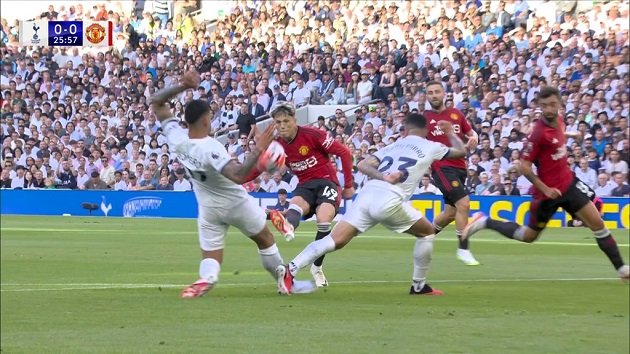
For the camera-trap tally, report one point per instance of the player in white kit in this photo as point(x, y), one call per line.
point(394, 171)
point(217, 180)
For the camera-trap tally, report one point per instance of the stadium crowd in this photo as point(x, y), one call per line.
point(78, 118)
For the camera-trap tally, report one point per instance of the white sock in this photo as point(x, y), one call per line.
point(271, 259)
point(313, 251)
point(209, 270)
point(422, 251)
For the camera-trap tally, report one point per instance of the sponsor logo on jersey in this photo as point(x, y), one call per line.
point(454, 116)
point(432, 121)
point(95, 33)
point(303, 150)
point(455, 184)
point(560, 153)
point(214, 155)
point(437, 131)
point(304, 164)
point(328, 142)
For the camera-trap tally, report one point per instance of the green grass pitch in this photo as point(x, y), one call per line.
point(105, 285)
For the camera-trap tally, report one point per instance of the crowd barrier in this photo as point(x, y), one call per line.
point(168, 204)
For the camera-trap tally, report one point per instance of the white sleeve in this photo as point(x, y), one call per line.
point(178, 140)
point(440, 151)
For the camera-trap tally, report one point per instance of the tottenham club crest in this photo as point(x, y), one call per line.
point(303, 150)
point(95, 33)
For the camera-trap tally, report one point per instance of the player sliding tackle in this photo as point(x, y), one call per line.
point(556, 186)
point(395, 171)
point(317, 192)
point(217, 179)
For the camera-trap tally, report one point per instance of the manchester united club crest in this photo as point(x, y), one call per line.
point(455, 184)
point(303, 150)
point(454, 116)
point(95, 33)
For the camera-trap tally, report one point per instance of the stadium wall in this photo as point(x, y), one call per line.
point(166, 204)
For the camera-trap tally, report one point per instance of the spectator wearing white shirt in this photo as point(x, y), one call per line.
point(426, 187)
point(279, 184)
point(301, 94)
point(119, 183)
point(82, 177)
point(181, 183)
point(604, 187)
point(266, 182)
point(364, 88)
point(18, 180)
point(586, 174)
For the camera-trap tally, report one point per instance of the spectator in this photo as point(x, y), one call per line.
point(164, 185)
point(283, 204)
point(246, 121)
point(181, 184)
point(94, 183)
point(621, 187)
point(279, 184)
point(119, 183)
point(496, 188)
point(147, 182)
point(603, 188)
point(426, 187)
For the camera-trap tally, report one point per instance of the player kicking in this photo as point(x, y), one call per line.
point(450, 175)
point(395, 171)
point(317, 192)
point(217, 179)
point(556, 186)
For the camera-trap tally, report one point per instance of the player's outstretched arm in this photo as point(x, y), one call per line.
point(240, 172)
point(160, 98)
point(458, 148)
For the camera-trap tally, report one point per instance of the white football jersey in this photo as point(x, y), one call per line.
point(204, 159)
point(411, 155)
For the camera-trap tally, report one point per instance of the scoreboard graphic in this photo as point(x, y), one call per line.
point(66, 33)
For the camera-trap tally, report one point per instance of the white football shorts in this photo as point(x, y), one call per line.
point(213, 222)
point(375, 205)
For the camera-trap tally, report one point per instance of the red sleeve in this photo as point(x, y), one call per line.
point(333, 147)
point(252, 175)
point(466, 128)
point(532, 148)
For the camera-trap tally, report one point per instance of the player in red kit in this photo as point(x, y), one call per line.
point(318, 191)
point(450, 175)
point(556, 186)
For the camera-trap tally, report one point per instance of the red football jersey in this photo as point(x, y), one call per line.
point(308, 156)
point(547, 149)
point(461, 127)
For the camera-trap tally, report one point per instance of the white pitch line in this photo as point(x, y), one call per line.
point(105, 286)
point(309, 234)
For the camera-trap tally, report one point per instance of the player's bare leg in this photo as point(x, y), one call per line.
point(593, 220)
point(270, 258)
point(422, 252)
point(459, 214)
point(209, 270)
point(337, 239)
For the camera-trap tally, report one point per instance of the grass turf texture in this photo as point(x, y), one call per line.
point(98, 285)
